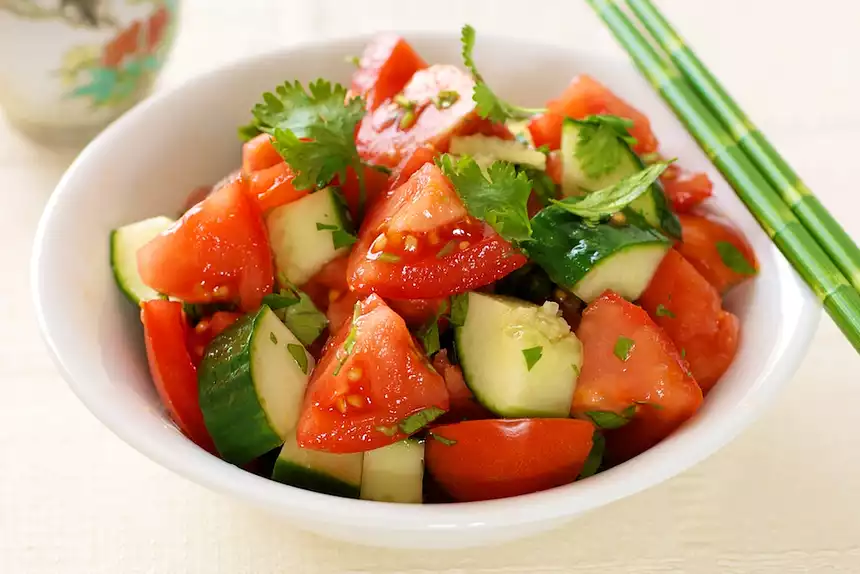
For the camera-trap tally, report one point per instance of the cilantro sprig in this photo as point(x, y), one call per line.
point(597, 147)
point(313, 130)
point(488, 104)
point(498, 196)
point(604, 202)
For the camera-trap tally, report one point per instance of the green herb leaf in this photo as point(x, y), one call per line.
point(285, 298)
point(595, 457)
point(664, 312)
point(351, 337)
point(417, 421)
point(339, 236)
point(532, 355)
point(603, 203)
point(488, 104)
point(354, 60)
point(429, 336)
point(298, 353)
point(597, 145)
point(303, 318)
point(273, 338)
point(734, 259)
point(683, 353)
point(388, 257)
point(657, 406)
point(544, 187)
point(445, 99)
point(443, 440)
point(459, 309)
point(610, 419)
point(499, 197)
point(623, 347)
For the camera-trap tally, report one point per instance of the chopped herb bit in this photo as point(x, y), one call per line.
point(595, 457)
point(459, 309)
point(447, 250)
point(543, 186)
point(576, 370)
point(443, 440)
point(285, 298)
point(387, 430)
point(401, 101)
point(272, 338)
point(623, 347)
point(380, 169)
point(683, 353)
point(604, 202)
point(445, 99)
point(664, 312)
point(298, 353)
point(649, 158)
point(417, 421)
point(657, 406)
point(339, 236)
point(532, 355)
point(349, 343)
point(407, 120)
point(429, 336)
point(303, 318)
point(498, 196)
point(354, 60)
point(734, 259)
point(326, 227)
point(388, 257)
point(489, 105)
point(611, 419)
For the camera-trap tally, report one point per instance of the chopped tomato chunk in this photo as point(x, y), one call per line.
point(689, 310)
point(259, 153)
point(585, 96)
point(371, 378)
point(703, 240)
point(463, 404)
point(388, 62)
point(629, 364)
point(684, 189)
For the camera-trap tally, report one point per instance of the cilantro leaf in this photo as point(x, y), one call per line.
point(302, 318)
point(417, 421)
point(444, 440)
point(346, 350)
point(611, 419)
point(662, 311)
point(532, 355)
point(299, 355)
point(285, 298)
point(339, 236)
point(459, 309)
point(544, 187)
point(623, 347)
point(605, 202)
point(488, 104)
point(734, 259)
point(499, 197)
point(595, 457)
point(429, 337)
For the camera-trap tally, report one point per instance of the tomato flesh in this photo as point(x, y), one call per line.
point(259, 153)
point(463, 404)
point(421, 243)
point(653, 379)
point(385, 138)
point(207, 329)
point(585, 96)
point(388, 62)
point(499, 458)
point(172, 368)
point(685, 190)
point(699, 247)
point(217, 251)
point(411, 163)
point(691, 314)
point(356, 400)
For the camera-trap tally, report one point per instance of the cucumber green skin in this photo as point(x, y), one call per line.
point(232, 412)
point(308, 479)
point(568, 249)
point(132, 296)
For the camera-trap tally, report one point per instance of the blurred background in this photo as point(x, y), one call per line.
point(781, 498)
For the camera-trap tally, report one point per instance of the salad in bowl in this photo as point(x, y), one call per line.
point(412, 290)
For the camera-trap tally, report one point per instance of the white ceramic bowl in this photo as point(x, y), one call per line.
point(146, 163)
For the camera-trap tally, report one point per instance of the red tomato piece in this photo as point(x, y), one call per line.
point(417, 312)
point(411, 163)
point(420, 242)
point(684, 189)
point(463, 404)
point(340, 310)
point(375, 182)
point(585, 96)
point(485, 127)
point(653, 379)
point(689, 310)
point(388, 62)
point(699, 247)
point(259, 153)
point(499, 458)
point(554, 167)
point(385, 138)
point(357, 397)
point(207, 329)
point(273, 186)
point(172, 369)
point(217, 251)
point(328, 284)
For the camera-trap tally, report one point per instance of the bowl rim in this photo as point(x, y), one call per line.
point(646, 470)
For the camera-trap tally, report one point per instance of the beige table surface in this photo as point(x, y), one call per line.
point(783, 498)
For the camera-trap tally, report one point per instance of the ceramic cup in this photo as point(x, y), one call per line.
point(69, 67)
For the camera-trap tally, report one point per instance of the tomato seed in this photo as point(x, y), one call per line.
point(354, 374)
point(355, 400)
point(433, 237)
point(379, 243)
point(411, 243)
point(340, 404)
point(464, 245)
point(333, 295)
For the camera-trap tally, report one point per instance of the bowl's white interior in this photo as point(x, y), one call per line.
point(147, 162)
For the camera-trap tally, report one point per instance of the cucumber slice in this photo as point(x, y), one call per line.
point(520, 359)
point(651, 206)
point(520, 129)
point(394, 473)
point(124, 245)
point(487, 149)
point(587, 259)
point(252, 381)
point(300, 246)
point(336, 474)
